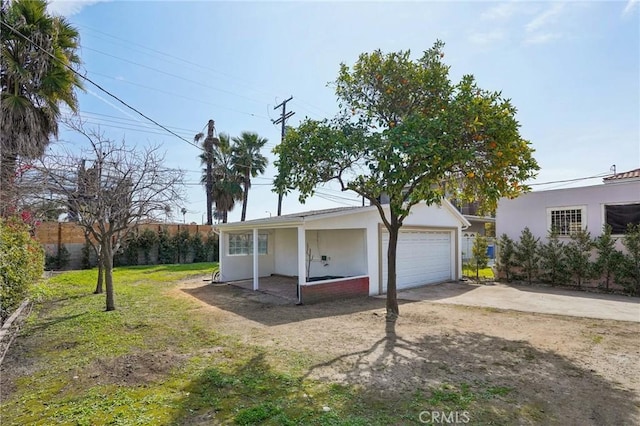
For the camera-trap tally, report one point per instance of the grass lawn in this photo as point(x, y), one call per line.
point(470, 272)
point(188, 353)
point(153, 361)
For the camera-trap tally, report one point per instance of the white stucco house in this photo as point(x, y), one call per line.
point(615, 202)
point(341, 252)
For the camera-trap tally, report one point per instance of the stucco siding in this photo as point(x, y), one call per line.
point(286, 251)
point(350, 241)
point(345, 252)
point(530, 210)
point(240, 267)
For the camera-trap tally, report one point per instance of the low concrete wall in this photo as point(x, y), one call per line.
point(341, 288)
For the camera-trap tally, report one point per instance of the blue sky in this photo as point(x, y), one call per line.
point(572, 69)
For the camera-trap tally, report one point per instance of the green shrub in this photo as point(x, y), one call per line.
point(180, 242)
point(57, 261)
point(166, 250)
point(146, 241)
point(87, 252)
point(480, 259)
point(608, 259)
point(578, 251)
point(527, 254)
point(21, 263)
point(553, 262)
point(212, 246)
point(506, 256)
point(629, 273)
point(198, 248)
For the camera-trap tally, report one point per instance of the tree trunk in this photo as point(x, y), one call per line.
point(100, 276)
point(107, 258)
point(245, 197)
point(392, 296)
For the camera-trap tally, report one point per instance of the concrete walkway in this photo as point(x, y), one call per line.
point(544, 300)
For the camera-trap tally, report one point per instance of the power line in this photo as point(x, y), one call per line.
point(178, 95)
point(571, 180)
point(199, 83)
point(15, 31)
point(243, 83)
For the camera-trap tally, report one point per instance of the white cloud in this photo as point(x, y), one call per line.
point(546, 17)
point(541, 38)
point(487, 37)
point(69, 7)
point(502, 11)
point(631, 4)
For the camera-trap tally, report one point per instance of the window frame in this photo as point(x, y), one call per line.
point(583, 218)
point(244, 247)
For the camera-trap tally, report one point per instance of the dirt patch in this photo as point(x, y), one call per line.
point(131, 369)
point(560, 369)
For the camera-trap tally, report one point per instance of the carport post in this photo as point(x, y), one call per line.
point(302, 270)
point(255, 259)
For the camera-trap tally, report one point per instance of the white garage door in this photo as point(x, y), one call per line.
point(423, 257)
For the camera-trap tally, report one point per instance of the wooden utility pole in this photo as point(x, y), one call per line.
point(283, 118)
point(208, 149)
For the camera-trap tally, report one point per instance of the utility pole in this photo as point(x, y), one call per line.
point(283, 117)
point(209, 142)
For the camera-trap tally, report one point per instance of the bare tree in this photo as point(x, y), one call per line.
point(109, 189)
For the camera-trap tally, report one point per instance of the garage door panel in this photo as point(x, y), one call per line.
point(423, 257)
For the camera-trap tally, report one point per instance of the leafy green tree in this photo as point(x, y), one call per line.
point(226, 187)
point(608, 259)
point(578, 251)
point(37, 49)
point(553, 262)
point(248, 162)
point(479, 252)
point(405, 130)
point(506, 256)
point(629, 276)
point(527, 254)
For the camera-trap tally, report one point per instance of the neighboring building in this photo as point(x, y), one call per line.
point(616, 203)
point(342, 252)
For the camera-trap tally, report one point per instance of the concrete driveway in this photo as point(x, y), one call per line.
point(544, 300)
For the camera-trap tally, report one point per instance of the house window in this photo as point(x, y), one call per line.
point(567, 220)
point(619, 216)
point(242, 244)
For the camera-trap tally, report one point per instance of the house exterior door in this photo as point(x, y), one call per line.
point(423, 257)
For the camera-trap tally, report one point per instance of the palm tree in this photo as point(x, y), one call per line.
point(248, 161)
point(35, 80)
point(225, 186)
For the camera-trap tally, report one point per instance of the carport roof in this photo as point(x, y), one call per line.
point(292, 218)
point(295, 219)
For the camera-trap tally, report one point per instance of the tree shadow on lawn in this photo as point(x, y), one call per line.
point(496, 381)
point(271, 310)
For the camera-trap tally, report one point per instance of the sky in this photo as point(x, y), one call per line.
point(572, 70)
